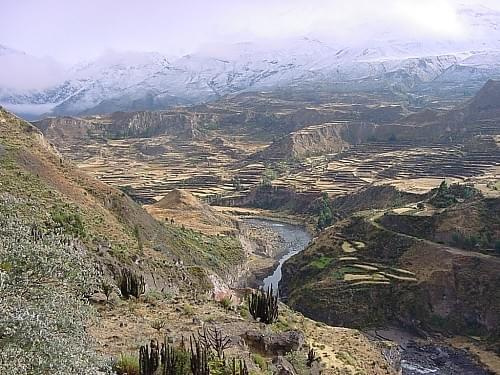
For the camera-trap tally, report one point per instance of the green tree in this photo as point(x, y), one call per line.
point(325, 216)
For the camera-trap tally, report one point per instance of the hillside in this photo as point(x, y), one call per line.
point(111, 221)
point(404, 266)
point(185, 209)
point(477, 116)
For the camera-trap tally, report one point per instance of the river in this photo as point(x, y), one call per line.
point(295, 239)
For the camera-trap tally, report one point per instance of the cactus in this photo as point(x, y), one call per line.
point(263, 305)
point(199, 358)
point(131, 284)
point(242, 369)
point(311, 357)
point(173, 361)
point(149, 358)
point(213, 338)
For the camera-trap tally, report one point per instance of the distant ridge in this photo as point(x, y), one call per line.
point(488, 98)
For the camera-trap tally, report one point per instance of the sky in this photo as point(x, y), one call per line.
point(73, 30)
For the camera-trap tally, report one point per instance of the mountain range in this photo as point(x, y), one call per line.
point(138, 80)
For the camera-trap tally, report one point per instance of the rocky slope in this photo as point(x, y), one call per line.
point(119, 229)
point(183, 208)
point(119, 125)
point(477, 116)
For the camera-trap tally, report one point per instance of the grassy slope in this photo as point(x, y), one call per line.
point(31, 168)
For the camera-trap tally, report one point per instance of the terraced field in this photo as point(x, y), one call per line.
point(391, 163)
point(202, 167)
point(221, 168)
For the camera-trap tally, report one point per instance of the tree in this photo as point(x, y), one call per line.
point(325, 216)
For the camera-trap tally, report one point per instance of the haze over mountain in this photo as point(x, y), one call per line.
point(442, 41)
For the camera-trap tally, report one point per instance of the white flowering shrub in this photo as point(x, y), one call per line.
point(43, 315)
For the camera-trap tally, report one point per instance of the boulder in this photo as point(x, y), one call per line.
point(274, 343)
point(98, 298)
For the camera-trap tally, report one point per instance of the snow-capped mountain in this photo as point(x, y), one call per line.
point(130, 81)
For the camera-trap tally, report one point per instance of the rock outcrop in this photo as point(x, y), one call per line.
point(275, 344)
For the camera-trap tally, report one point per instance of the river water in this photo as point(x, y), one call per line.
point(295, 239)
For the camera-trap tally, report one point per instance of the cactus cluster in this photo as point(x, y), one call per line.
point(201, 358)
point(174, 361)
point(149, 358)
point(164, 360)
point(311, 357)
point(263, 305)
point(131, 284)
point(241, 369)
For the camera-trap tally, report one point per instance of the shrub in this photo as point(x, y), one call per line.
point(43, 279)
point(226, 303)
point(260, 361)
point(188, 309)
point(107, 288)
point(153, 296)
point(325, 216)
point(70, 222)
point(158, 324)
point(445, 196)
point(127, 364)
point(298, 359)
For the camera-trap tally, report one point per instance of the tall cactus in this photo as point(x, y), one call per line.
point(263, 306)
point(242, 369)
point(173, 361)
point(311, 357)
point(132, 284)
point(199, 358)
point(149, 358)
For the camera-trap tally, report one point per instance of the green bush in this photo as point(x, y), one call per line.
point(127, 365)
point(226, 303)
point(44, 316)
point(70, 222)
point(325, 216)
point(188, 309)
point(463, 241)
point(153, 296)
point(445, 196)
point(260, 361)
point(321, 263)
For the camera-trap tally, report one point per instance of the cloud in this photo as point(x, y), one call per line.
point(72, 30)
point(21, 71)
